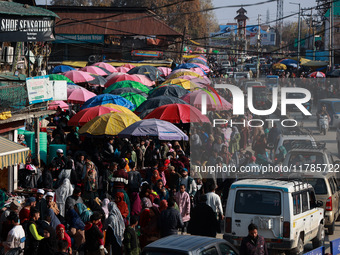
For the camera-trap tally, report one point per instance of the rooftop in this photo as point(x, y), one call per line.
point(11, 8)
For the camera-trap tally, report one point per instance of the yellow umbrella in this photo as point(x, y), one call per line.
point(109, 124)
point(118, 107)
point(279, 66)
point(175, 75)
point(182, 82)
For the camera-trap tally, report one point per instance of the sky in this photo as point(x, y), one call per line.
point(226, 15)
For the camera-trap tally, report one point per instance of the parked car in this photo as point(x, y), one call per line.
point(293, 108)
point(286, 212)
point(191, 245)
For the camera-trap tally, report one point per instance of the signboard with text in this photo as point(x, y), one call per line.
point(74, 38)
point(26, 29)
point(38, 89)
point(147, 53)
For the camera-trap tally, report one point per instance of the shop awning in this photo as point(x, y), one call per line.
point(11, 153)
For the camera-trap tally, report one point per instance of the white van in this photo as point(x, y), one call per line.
point(286, 213)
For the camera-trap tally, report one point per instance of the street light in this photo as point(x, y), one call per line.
point(299, 34)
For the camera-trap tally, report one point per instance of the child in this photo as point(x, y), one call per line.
point(183, 201)
point(131, 241)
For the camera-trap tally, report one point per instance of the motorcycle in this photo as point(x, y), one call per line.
point(323, 124)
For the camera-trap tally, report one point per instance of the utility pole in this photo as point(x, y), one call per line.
point(331, 21)
point(299, 34)
point(258, 47)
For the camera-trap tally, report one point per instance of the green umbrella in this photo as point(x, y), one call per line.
point(134, 98)
point(127, 84)
point(59, 77)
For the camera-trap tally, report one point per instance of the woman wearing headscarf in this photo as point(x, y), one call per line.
point(160, 189)
point(234, 144)
point(90, 181)
point(47, 246)
point(122, 206)
point(54, 219)
point(136, 204)
point(83, 212)
point(62, 235)
point(105, 204)
point(163, 205)
point(148, 222)
point(62, 193)
point(115, 228)
point(77, 227)
point(155, 177)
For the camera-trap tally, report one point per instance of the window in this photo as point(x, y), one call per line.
point(296, 203)
point(209, 251)
point(305, 201)
point(258, 202)
point(332, 185)
point(226, 250)
point(272, 38)
point(312, 199)
point(318, 184)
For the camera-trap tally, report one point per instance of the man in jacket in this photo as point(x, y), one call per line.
point(93, 236)
point(170, 220)
point(71, 201)
point(253, 244)
point(188, 182)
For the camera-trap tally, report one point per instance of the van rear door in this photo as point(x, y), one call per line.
point(262, 207)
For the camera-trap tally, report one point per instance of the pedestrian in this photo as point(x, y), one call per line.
point(24, 214)
point(115, 228)
point(203, 221)
point(131, 241)
point(214, 201)
point(16, 236)
point(253, 244)
point(170, 220)
point(41, 203)
point(93, 236)
point(62, 195)
point(183, 201)
point(62, 248)
point(72, 200)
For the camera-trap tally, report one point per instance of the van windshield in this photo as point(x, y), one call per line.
point(258, 202)
point(336, 106)
point(318, 184)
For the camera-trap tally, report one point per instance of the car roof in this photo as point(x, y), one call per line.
point(288, 186)
point(183, 243)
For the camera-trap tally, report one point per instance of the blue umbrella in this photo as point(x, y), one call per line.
point(188, 66)
point(108, 99)
point(289, 62)
point(197, 60)
point(62, 69)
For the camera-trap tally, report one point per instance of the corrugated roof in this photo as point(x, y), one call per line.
point(11, 8)
point(110, 22)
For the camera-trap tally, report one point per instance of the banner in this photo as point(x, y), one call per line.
point(59, 90)
point(39, 89)
point(317, 251)
point(73, 38)
point(26, 29)
point(335, 246)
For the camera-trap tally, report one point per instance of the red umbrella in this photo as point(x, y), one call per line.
point(123, 77)
point(53, 105)
point(107, 66)
point(84, 116)
point(122, 69)
point(78, 76)
point(177, 113)
point(93, 70)
point(213, 101)
point(79, 96)
point(317, 75)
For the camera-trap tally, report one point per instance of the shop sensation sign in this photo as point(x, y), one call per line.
point(26, 29)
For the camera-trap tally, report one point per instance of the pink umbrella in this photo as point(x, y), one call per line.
point(123, 77)
point(197, 70)
point(79, 96)
point(204, 67)
point(53, 105)
point(213, 104)
point(122, 69)
point(165, 70)
point(145, 80)
point(93, 70)
point(78, 76)
point(107, 66)
point(113, 75)
point(204, 81)
point(129, 66)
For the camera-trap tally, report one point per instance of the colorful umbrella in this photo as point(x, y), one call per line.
point(136, 99)
point(198, 70)
point(108, 99)
point(79, 96)
point(109, 124)
point(182, 82)
point(155, 102)
point(123, 77)
point(73, 86)
point(78, 76)
point(129, 66)
point(59, 77)
point(149, 71)
point(107, 66)
point(84, 116)
point(317, 75)
point(157, 128)
point(213, 101)
point(144, 80)
point(178, 113)
point(62, 69)
point(174, 91)
point(165, 70)
point(204, 67)
point(98, 81)
point(189, 77)
point(279, 66)
point(93, 70)
point(186, 66)
point(127, 90)
point(203, 82)
point(177, 74)
point(53, 105)
point(289, 62)
point(122, 69)
point(127, 84)
point(118, 107)
point(197, 61)
point(105, 70)
point(113, 75)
